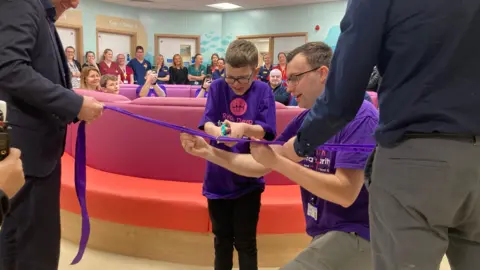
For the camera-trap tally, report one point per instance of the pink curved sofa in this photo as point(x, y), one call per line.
point(162, 156)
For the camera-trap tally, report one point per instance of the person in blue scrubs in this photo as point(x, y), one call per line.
point(220, 72)
point(139, 65)
point(264, 72)
point(163, 76)
point(150, 88)
point(425, 180)
point(202, 92)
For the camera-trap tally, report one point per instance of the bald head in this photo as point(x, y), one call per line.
point(275, 72)
point(275, 78)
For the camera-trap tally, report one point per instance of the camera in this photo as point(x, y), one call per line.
point(4, 136)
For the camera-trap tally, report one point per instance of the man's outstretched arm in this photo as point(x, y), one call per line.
point(355, 56)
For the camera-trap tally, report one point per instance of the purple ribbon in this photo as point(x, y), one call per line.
point(80, 163)
point(81, 189)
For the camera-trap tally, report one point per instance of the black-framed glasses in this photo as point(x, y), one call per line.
point(294, 79)
point(241, 80)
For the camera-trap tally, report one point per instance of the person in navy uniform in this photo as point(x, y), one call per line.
point(35, 83)
point(425, 179)
point(163, 77)
point(264, 72)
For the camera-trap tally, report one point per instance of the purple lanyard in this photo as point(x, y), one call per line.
point(80, 163)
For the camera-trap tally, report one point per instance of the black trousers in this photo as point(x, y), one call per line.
point(234, 224)
point(30, 235)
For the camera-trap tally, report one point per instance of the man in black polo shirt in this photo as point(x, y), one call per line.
point(425, 189)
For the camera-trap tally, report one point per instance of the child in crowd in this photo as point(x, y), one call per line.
point(335, 199)
point(247, 108)
point(202, 92)
point(150, 88)
point(109, 84)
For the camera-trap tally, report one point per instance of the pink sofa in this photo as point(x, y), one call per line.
point(116, 141)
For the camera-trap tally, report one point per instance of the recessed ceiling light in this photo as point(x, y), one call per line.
point(224, 6)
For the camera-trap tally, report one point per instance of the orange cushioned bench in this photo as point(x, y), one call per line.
point(168, 220)
point(168, 204)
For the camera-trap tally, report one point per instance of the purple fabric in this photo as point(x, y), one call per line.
point(81, 189)
point(330, 216)
point(198, 92)
point(151, 92)
point(80, 162)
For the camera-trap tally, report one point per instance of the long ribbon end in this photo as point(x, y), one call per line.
point(81, 189)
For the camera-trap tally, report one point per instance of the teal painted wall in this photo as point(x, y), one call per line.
point(155, 22)
point(288, 19)
point(218, 29)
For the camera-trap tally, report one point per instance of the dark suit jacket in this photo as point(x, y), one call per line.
point(35, 83)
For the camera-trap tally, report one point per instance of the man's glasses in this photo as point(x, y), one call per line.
point(241, 80)
point(294, 79)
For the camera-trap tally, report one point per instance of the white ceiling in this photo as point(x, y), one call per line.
point(200, 5)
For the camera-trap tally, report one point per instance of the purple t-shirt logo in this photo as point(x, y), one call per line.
point(323, 161)
point(238, 106)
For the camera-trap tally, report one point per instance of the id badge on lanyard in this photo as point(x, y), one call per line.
point(312, 209)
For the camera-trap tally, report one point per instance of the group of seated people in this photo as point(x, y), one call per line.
point(101, 76)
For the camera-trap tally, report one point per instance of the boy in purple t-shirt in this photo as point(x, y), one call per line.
point(335, 200)
point(247, 108)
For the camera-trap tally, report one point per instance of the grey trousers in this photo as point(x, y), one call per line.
point(334, 251)
point(425, 202)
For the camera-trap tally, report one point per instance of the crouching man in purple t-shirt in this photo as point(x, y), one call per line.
point(335, 200)
point(247, 107)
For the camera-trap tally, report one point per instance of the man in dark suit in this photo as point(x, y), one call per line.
point(35, 83)
point(425, 179)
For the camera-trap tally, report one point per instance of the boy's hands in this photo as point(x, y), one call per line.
point(234, 130)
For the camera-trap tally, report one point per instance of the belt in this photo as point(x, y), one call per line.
point(448, 136)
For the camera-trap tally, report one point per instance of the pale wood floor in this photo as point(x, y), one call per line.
point(94, 260)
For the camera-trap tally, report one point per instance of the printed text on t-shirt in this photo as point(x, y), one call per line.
point(231, 118)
